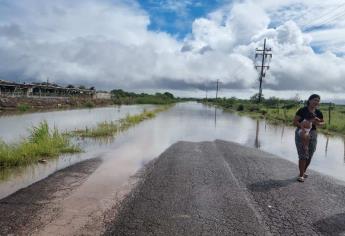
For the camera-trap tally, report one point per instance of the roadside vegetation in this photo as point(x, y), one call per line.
point(42, 143)
point(23, 107)
point(110, 128)
point(281, 111)
point(121, 97)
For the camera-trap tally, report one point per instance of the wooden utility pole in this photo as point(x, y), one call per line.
point(329, 113)
point(206, 92)
point(266, 53)
point(217, 89)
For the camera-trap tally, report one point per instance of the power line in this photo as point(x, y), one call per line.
point(333, 19)
point(327, 15)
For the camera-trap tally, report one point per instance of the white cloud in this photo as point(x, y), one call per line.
point(108, 44)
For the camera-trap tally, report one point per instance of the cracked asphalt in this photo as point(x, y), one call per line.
point(222, 188)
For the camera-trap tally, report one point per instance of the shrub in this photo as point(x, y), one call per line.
point(23, 107)
point(240, 107)
point(89, 104)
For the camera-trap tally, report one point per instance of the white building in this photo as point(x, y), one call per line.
point(102, 95)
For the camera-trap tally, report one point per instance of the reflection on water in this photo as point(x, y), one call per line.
point(327, 139)
point(257, 142)
point(282, 135)
point(128, 152)
point(215, 116)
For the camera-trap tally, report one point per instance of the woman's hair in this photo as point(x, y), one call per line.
point(312, 97)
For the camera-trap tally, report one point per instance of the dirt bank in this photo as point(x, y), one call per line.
point(34, 103)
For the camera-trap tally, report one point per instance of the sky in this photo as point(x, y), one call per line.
point(181, 46)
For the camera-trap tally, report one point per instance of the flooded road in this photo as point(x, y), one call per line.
point(131, 150)
point(188, 122)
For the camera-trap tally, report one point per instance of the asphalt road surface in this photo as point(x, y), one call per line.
point(206, 188)
point(222, 188)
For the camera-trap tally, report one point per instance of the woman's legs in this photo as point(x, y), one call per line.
point(312, 148)
point(302, 166)
point(307, 163)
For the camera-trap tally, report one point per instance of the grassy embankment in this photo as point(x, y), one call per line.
point(110, 128)
point(42, 143)
point(279, 111)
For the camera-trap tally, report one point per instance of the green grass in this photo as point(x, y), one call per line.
point(42, 143)
point(284, 112)
point(122, 97)
point(46, 143)
point(23, 107)
point(110, 128)
point(89, 104)
point(101, 130)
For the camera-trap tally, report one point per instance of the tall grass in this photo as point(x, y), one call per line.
point(42, 143)
point(284, 113)
point(102, 129)
point(89, 104)
point(23, 107)
point(110, 128)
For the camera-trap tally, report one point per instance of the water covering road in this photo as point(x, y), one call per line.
point(187, 121)
point(131, 150)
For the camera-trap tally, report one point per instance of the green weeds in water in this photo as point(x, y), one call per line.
point(46, 143)
point(106, 129)
point(101, 130)
point(42, 143)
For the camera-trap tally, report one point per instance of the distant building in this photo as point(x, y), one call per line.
point(41, 89)
point(102, 95)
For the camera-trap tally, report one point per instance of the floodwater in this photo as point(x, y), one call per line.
point(14, 127)
point(131, 150)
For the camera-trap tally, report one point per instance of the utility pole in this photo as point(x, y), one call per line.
point(217, 89)
point(329, 113)
point(265, 53)
point(206, 92)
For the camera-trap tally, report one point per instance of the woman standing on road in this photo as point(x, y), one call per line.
point(305, 155)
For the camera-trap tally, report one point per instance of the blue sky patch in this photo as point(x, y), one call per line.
point(176, 16)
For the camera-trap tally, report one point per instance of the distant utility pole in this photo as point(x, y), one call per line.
point(206, 92)
point(265, 53)
point(217, 89)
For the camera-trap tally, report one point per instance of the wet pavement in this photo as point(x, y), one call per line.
point(222, 188)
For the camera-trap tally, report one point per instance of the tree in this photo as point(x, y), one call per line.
point(169, 95)
point(70, 86)
point(82, 87)
point(272, 101)
point(119, 93)
point(255, 97)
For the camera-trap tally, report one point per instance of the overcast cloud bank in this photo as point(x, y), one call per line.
point(108, 45)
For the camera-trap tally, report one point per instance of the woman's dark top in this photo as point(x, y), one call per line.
point(304, 113)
